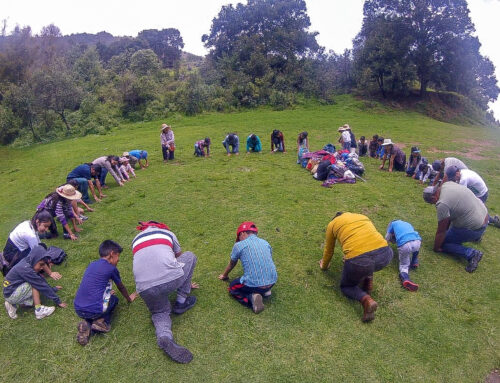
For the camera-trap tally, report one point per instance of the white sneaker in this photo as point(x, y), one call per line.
point(11, 310)
point(44, 311)
point(267, 294)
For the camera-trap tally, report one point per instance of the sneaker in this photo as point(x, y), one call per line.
point(11, 310)
point(99, 325)
point(407, 283)
point(83, 217)
point(180, 308)
point(83, 334)
point(474, 261)
point(495, 221)
point(176, 352)
point(257, 304)
point(44, 311)
point(267, 294)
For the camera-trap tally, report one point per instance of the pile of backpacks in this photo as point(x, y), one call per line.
point(331, 166)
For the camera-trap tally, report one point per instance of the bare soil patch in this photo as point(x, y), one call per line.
point(470, 155)
point(493, 377)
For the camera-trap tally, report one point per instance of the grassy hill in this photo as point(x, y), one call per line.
point(309, 332)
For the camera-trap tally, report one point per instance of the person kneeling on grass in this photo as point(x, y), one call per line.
point(160, 268)
point(462, 217)
point(408, 241)
point(95, 299)
point(200, 146)
point(254, 144)
point(23, 284)
point(259, 271)
point(365, 251)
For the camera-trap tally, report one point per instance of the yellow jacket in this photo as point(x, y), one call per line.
point(356, 233)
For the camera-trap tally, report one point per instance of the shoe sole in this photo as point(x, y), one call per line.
point(410, 286)
point(472, 269)
point(45, 315)
point(257, 304)
point(98, 327)
point(83, 333)
point(176, 352)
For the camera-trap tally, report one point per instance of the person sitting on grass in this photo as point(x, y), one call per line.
point(441, 166)
point(139, 155)
point(408, 241)
point(362, 146)
point(373, 146)
point(365, 251)
point(200, 146)
point(259, 271)
point(160, 268)
point(462, 217)
point(23, 239)
point(23, 284)
point(59, 204)
point(254, 144)
point(397, 158)
point(83, 175)
point(232, 141)
point(95, 299)
point(277, 141)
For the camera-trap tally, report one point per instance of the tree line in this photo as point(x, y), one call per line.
point(260, 53)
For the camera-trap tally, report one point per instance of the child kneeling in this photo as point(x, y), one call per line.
point(408, 241)
point(23, 284)
point(95, 299)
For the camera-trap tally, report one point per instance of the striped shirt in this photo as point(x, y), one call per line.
point(257, 261)
point(154, 258)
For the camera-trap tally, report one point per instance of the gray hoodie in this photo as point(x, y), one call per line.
point(24, 272)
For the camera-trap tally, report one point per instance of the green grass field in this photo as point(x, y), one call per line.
point(446, 332)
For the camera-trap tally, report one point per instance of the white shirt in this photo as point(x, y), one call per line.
point(24, 236)
point(346, 136)
point(473, 181)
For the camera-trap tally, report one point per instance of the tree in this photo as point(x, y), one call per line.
point(144, 63)
point(167, 44)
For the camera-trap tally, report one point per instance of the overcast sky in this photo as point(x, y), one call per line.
point(337, 21)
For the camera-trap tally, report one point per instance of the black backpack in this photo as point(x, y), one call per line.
point(56, 254)
point(323, 170)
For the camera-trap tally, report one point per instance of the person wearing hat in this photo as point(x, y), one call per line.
point(132, 160)
point(200, 146)
point(345, 137)
point(354, 145)
point(125, 168)
point(254, 144)
point(160, 268)
point(414, 162)
point(83, 175)
point(442, 165)
point(397, 158)
point(473, 181)
point(365, 252)
point(109, 164)
point(462, 217)
point(59, 205)
point(259, 271)
point(167, 142)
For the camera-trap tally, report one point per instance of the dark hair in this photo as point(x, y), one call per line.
point(362, 138)
point(380, 139)
point(107, 247)
point(109, 158)
point(42, 216)
point(375, 136)
point(207, 140)
point(303, 134)
point(339, 213)
point(73, 182)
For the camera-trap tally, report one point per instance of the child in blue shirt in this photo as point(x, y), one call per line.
point(408, 241)
point(139, 155)
point(95, 299)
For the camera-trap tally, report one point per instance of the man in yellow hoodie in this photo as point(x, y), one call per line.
point(365, 251)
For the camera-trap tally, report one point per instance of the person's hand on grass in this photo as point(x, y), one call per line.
point(55, 275)
point(78, 229)
point(90, 209)
point(195, 285)
point(133, 296)
point(73, 237)
point(381, 167)
point(321, 265)
point(223, 277)
point(63, 305)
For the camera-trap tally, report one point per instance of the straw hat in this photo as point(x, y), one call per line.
point(165, 126)
point(125, 154)
point(341, 129)
point(387, 141)
point(346, 127)
point(69, 192)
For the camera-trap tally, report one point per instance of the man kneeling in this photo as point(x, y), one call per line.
point(160, 268)
point(259, 272)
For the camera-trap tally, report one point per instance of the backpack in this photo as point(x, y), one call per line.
point(323, 169)
point(56, 254)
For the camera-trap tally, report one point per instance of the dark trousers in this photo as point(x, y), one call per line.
point(90, 317)
point(358, 268)
point(243, 293)
point(102, 177)
point(167, 154)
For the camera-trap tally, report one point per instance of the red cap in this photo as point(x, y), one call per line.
point(246, 226)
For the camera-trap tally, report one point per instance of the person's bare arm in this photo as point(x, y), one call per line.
point(443, 226)
point(123, 290)
point(228, 269)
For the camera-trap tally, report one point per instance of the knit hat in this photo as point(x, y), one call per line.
point(429, 192)
point(451, 173)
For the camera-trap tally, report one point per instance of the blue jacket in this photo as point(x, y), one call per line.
point(254, 144)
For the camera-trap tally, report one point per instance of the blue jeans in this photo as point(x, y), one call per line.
point(83, 187)
point(243, 293)
point(90, 317)
point(102, 177)
point(235, 148)
point(456, 236)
